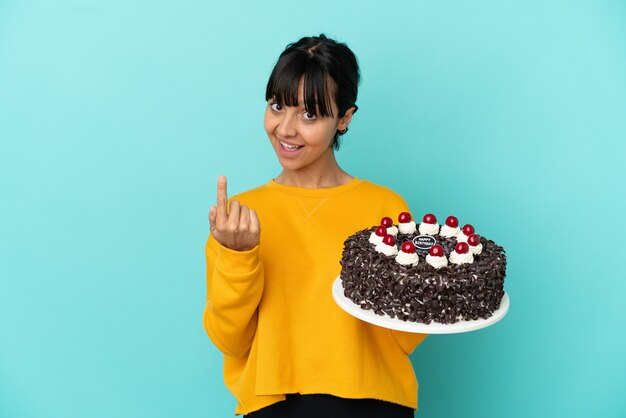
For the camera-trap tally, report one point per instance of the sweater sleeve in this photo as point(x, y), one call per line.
point(408, 340)
point(234, 288)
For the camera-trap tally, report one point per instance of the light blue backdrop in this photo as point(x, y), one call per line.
point(116, 118)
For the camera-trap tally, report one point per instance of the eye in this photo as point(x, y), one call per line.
point(309, 116)
point(276, 107)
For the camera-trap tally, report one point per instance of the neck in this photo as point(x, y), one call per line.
point(326, 173)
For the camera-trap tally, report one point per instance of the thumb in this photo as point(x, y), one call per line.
point(254, 221)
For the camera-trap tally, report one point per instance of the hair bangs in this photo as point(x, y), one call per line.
point(317, 90)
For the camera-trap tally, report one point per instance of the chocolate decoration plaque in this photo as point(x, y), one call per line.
point(424, 242)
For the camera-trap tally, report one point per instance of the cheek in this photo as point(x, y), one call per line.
point(268, 122)
point(323, 134)
point(311, 135)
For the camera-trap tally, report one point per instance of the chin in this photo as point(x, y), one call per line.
point(289, 165)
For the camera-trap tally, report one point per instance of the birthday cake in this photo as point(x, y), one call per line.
point(424, 272)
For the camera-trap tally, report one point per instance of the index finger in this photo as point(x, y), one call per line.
point(222, 197)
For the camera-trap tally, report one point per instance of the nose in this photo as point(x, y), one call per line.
point(287, 125)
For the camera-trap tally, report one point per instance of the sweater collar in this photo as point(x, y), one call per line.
point(318, 192)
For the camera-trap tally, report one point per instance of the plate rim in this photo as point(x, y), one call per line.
point(415, 327)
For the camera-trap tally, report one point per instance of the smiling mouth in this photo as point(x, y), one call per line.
point(289, 147)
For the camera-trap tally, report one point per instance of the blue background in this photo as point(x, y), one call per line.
point(116, 118)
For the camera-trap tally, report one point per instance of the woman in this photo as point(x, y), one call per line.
point(274, 251)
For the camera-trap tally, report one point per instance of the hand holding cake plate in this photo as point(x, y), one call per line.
point(386, 321)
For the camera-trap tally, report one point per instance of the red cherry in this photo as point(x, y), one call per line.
point(408, 247)
point(436, 251)
point(404, 217)
point(461, 248)
point(389, 240)
point(386, 222)
point(468, 229)
point(473, 240)
point(430, 219)
point(452, 221)
point(381, 231)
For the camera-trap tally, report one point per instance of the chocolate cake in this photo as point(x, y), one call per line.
point(437, 274)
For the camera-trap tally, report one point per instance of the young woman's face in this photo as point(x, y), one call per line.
point(300, 139)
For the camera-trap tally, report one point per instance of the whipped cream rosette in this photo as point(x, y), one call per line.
point(429, 225)
point(406, 225)
point(450, 228)
point(407, 255)
point(388, 246)
point(475, 247)
point(466, 231)
point(436, 257)
point(377, 236)
point(387, 222)
point(461, 254)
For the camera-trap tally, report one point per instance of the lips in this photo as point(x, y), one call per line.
point(290, 147)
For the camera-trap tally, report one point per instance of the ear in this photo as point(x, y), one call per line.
point(345, 120)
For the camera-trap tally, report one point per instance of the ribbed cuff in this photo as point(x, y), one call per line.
point(234, 262)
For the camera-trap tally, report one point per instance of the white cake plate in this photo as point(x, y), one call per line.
point(433, 328)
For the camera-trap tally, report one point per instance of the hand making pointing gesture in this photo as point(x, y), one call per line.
point(237, 228)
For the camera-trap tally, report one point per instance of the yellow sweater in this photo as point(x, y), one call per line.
point(270, 310)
